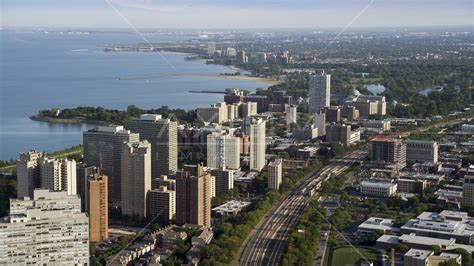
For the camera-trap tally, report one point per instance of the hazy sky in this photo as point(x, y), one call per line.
point(235, 14)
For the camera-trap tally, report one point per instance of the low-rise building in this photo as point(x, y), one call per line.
point(199, 242)
point(421, 257)
point(383, 125)
point(449, 197)
point(411, 186)
point(377, 225)
point(230, 208)
point(378, 189)
point(203, 237)
point(414, 241)
point(422, 151)
point(466, 128)
point(417, 257)
point(308, 152)
point(447, 224)
point(367, 104)
point(432, 179)
point(168, 237)
point(354, 137)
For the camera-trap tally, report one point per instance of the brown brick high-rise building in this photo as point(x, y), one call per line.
point(193, 196)
point(97, 207)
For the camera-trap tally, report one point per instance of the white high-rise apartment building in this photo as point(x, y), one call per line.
point(223, 151)
point(319, 91)
point(255, 128)
point(275, 172)
point(48, 229)
point(291, 115)
point(59, 175)
point(35, 170)
point(211, 48)
point(319, 120)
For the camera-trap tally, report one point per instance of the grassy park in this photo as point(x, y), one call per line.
point(351, 256)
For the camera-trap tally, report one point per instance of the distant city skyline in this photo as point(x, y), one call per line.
point(214, 14)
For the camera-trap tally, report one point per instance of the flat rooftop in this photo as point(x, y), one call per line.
point(377, 184)
point(447, 222)
point(380, 224)
point(419, 253)
point(416, 240)
point(232, 206)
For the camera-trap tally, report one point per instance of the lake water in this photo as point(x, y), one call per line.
point(43, 71)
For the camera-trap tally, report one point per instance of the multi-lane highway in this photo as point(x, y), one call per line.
point(267, 243)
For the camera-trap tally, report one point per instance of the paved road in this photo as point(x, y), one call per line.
point(267, 245)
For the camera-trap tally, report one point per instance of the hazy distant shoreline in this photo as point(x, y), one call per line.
point(221, 76)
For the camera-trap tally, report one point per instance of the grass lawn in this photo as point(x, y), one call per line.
point(349, 256)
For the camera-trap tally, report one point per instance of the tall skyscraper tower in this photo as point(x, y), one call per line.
point(319, 91)
point(211, 48)
point(97, 207)
point(255, 128)
point(136, 178)
point(275, 173)
point(163, 136)
point(28, 173)
point(468, 188)
point(103, 148)
point(193, 196)
point(291, 115)
point(223, 151)
point(319, 120)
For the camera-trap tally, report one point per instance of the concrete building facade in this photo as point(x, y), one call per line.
point(388, 150)
point(223, 180)
point(422, 151)
point(223, 151)
point(103, 148)
point(162, 205)
point(275, 174)
point(97, 207)
point(193, 196)
point(28, 173)
point(339, 133)
point(255, 128)
point(136, 178)
point(319, 91)
point(162, 134)
point(47, 229)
